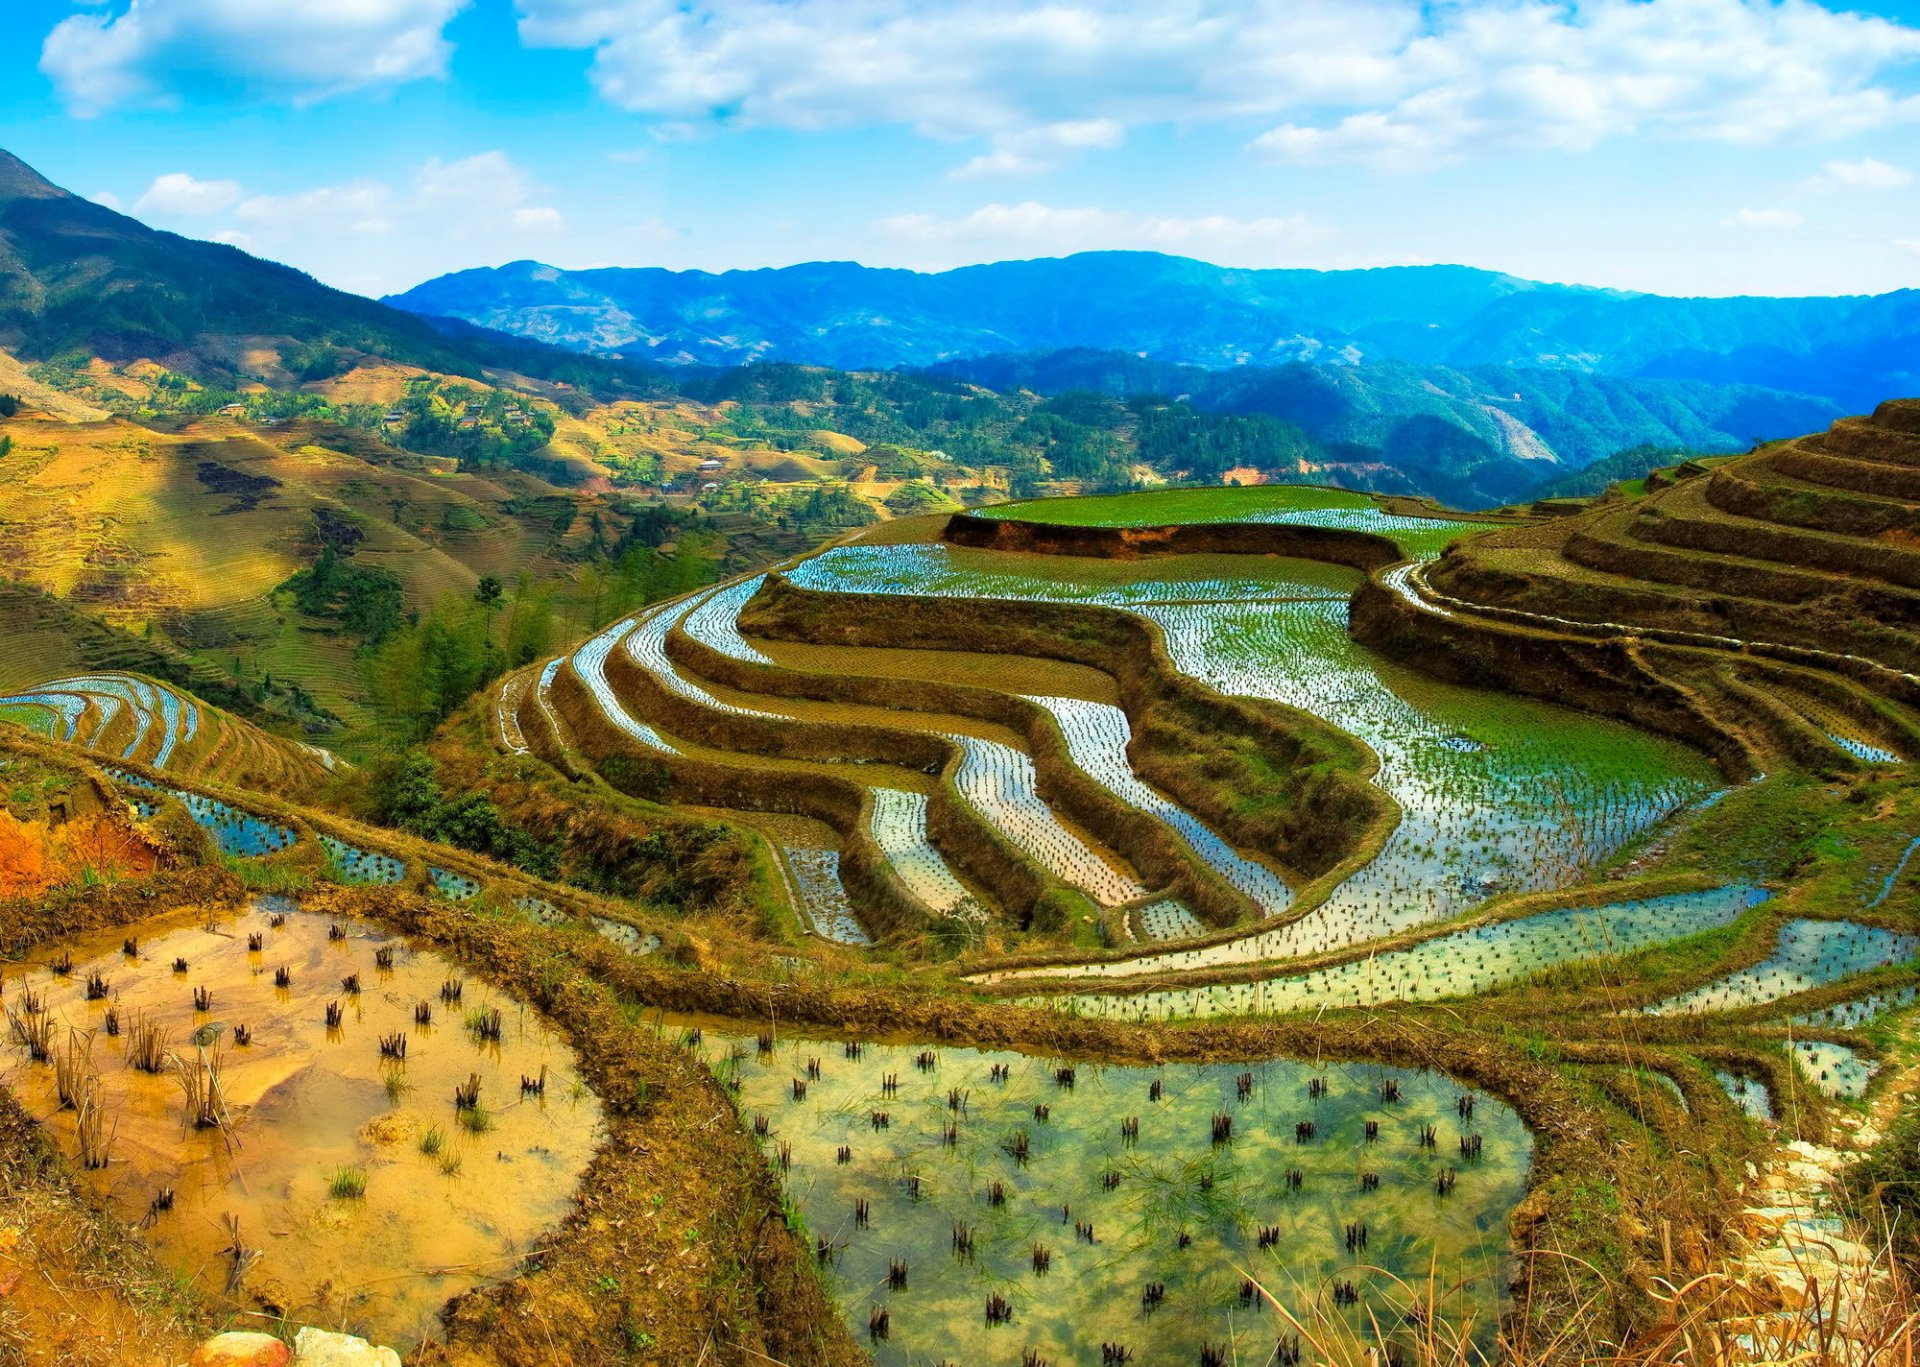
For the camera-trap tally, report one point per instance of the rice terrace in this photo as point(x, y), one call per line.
point(1078, 811)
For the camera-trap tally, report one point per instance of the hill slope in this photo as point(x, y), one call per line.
point(79, 281)
point(1852, 350)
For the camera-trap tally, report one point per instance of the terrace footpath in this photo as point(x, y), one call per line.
point(1408, 581)
point(1836, 1293)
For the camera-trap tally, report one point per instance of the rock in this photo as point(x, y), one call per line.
point(318, 1348)
point(242, 1350)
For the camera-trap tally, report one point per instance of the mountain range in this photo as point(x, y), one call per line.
point(1503, 384)
point(1852, 351)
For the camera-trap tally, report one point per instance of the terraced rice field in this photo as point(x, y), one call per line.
point(1496, 794)
point(935, 1180)
point(823, 897)
point(1809, 954)
point(1097, 736)
point(1460, 963)
point(129, 717)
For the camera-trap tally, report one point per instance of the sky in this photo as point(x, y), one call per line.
point(1696, 147)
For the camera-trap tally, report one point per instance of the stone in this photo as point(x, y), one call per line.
point(319, 1348)
point(241, 1350)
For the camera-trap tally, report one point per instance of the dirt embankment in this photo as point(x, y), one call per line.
point(1609, 676)
point(1361, 550)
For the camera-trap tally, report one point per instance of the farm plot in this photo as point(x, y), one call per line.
point(1808, 954)
point(974, 1206)
point(823, 897)
point(350, 864)
point(1834, 1070)
point(1462, 963)
point(1097, 736)
point(998, 780)
point(898, 826)
point(1496, 793)
point(236, 1093)
point(935, 571)
point(1001, 784)
point(237, 833)
point(589, 664)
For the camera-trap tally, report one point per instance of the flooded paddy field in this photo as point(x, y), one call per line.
point(972, 1205)
point(1457, 964)
point(302, 1113)
point(1496, 794)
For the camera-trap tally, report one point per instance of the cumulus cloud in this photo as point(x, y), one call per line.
point(1767, 220)
point(1865, 174)
point(159, 51)
point(1031, 228)
point(1390, 83)
point(179, 195)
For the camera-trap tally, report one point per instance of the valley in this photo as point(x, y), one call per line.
point(520, 856)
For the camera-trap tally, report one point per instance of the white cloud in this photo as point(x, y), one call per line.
point(1043, 148)
point(159, 51)
point(179, 195)
point(481, 208)
point(1032, 228)
point(1773, 220)
point(1865, 174)
point(1911, 244)
point(360, 206)
point(1391, 83)
point(108, 199)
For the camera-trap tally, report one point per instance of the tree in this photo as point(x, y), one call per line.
point(9, 405)
point(489, 593)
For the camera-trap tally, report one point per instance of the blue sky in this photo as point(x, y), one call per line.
point(1682, 146)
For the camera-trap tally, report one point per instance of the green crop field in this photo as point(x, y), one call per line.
point(1304, 505)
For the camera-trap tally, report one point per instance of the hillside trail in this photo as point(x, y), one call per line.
point(1839, 1297)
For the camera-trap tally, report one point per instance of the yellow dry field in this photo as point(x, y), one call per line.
point(14, 379)
point(838, 442)
point(133, 523)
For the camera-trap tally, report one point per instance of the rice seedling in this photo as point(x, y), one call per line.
point(199, 1081)
point(74, 1076)
point(348, 1183)
point(147, 1044)
point(474, 1119)
point(34, 1030)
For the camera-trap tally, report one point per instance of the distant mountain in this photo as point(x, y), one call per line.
point(1496, 413)
point(78, 281)
point(1853, 350)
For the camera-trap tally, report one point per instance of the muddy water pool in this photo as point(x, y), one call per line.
point(449, 1197)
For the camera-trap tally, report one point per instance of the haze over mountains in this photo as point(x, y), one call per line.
point(1851, 350)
